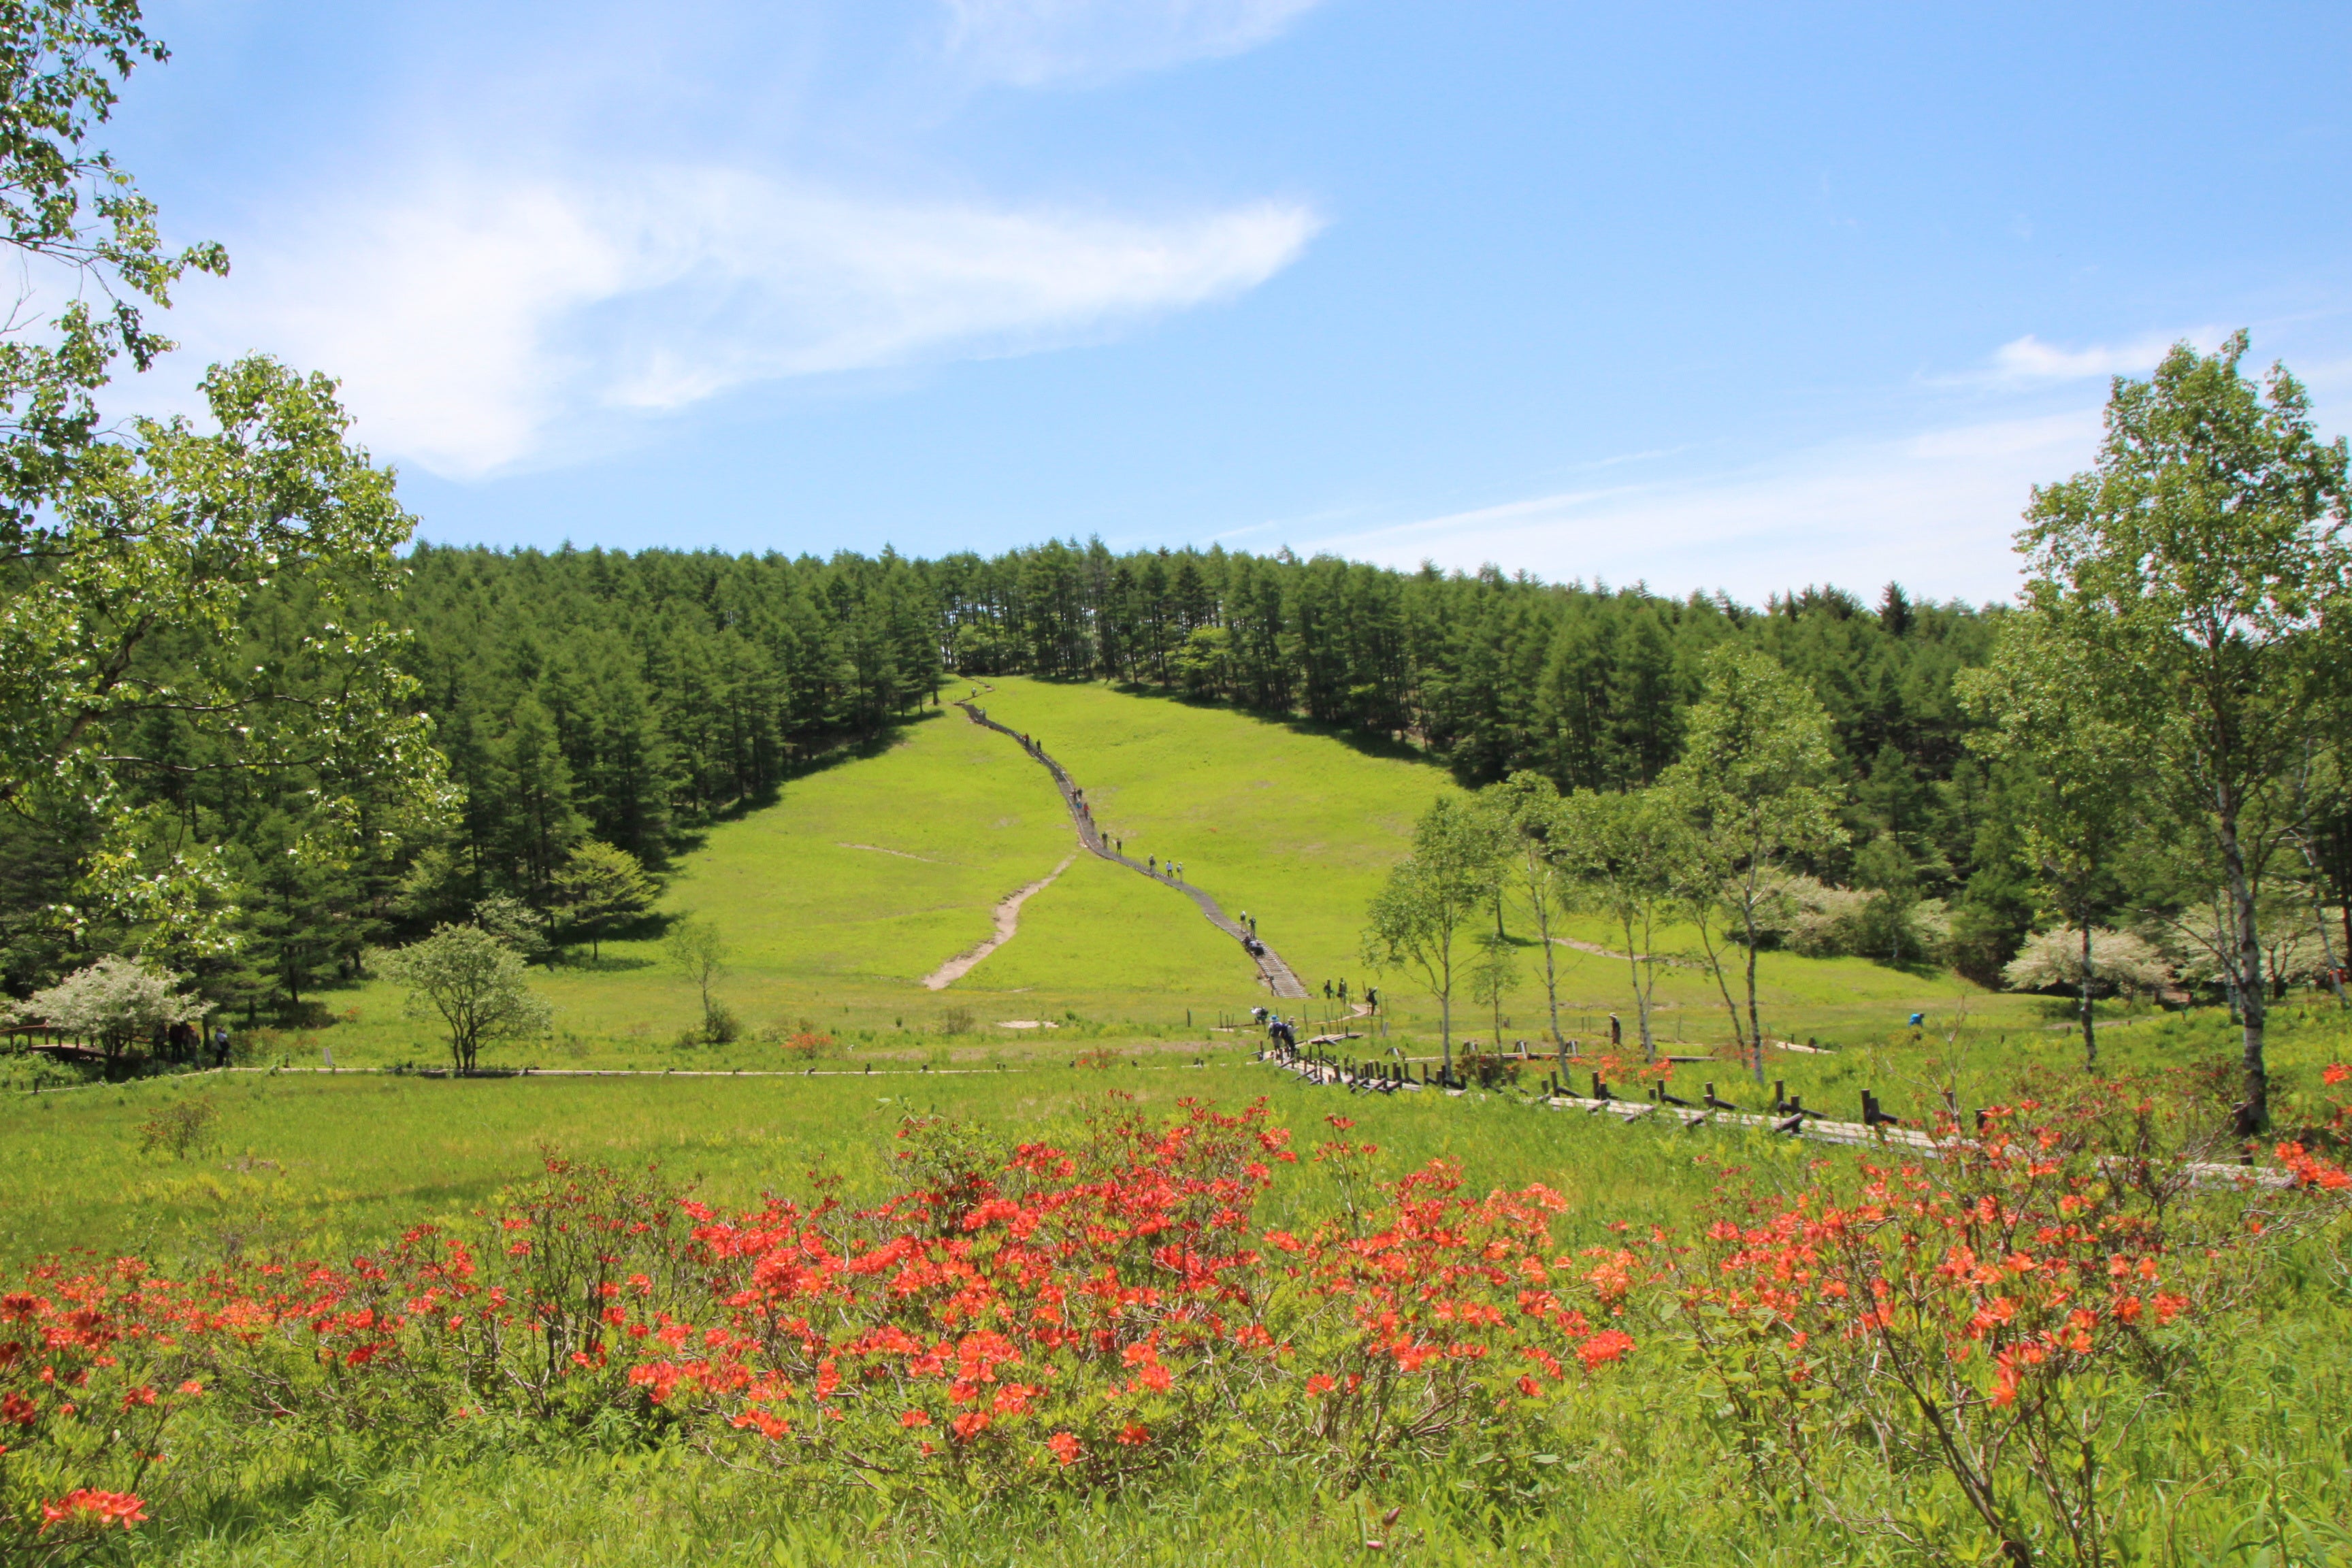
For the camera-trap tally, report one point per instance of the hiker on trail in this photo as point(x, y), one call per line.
point(220, 1046)
point(1372, 997)
point(1326, 991)
point(1152, 864)
point(1343, 994)
point(1616, 1031)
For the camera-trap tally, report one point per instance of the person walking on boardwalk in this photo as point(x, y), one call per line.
point(1152, 864)
point(1326, 991)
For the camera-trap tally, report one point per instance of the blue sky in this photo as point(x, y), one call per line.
point(1735, 296)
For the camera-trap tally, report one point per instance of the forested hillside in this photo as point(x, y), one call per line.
point(634, 699)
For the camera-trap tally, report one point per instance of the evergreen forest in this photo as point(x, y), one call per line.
point(636, 698)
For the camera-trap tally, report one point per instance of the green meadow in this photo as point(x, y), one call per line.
point(864, 878)
point(867, 875)
point(329, 1162)
point(310, 1165)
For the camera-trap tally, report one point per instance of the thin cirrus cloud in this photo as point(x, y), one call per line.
point(1034, 42)
point(2028, 361)
point(1937, 507)
point(479, 325)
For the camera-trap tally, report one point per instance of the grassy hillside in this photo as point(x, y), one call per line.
point(878, 870)
point(1100, 928)
point(866, 877)
point(1300, 828)
point(1295, 826)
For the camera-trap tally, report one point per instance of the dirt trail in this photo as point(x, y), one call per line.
point(1008, 920)
point(1271, 970)
point(1598, 951)
point(901, 854)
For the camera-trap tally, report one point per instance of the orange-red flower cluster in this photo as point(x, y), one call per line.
point(1013, 1313)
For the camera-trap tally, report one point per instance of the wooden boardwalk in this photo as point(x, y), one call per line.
point(1882, 1131)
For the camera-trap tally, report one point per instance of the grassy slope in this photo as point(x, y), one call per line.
point(950, 824)
point(1100, 927)
point(1295, 826)
point(1298, 828)
point(838, 938)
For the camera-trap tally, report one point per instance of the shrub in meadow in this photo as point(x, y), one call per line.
point(2001, 1311)
point(1024, 1318)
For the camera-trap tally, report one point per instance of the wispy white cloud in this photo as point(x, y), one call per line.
point(1935, 511)
point(1031, 43)
point(479, 323)
point(2028, 361)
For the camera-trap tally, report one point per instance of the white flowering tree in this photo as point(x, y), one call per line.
point(2119, 960)
point(114, 1002)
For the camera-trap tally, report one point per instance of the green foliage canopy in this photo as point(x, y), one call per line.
point(2197, 575)
point(132, 566)
point(474, 982)
point(1753, 780)
point(1415, 921)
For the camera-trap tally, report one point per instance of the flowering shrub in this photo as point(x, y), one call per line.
point(91, 1370)
point(1016, 1316)
point(2000, 1312)
point(1085, 1317)
point(2310, 1166)
point(1025, 1316)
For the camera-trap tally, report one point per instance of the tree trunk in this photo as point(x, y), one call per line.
point(2347, 913)
point(1552, 975)
point(1641, 1001)
point(1755, 1028)
point(2255, 1112)
point(1723, 988)
point(1445, 1030)
point(1747, 925)
point(2090, 1040)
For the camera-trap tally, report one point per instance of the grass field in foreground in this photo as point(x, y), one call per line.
point(346, 1161)
point(349, 1159)
point(1637, 1471)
